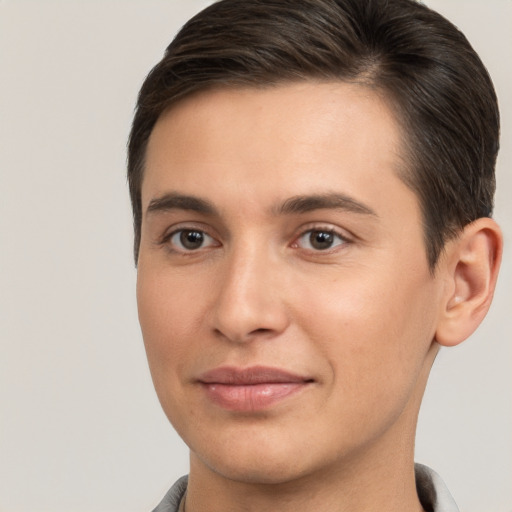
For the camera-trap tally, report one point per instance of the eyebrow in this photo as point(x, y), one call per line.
point(293, 205)
point(308, 203)
point(175, 201)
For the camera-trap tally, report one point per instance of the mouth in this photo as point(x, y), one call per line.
point(251, 389)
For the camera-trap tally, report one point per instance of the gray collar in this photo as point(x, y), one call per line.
point(432, 491)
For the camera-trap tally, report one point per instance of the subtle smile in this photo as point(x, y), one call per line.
point(251, 389)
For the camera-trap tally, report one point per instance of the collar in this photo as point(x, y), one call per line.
point(432, 491)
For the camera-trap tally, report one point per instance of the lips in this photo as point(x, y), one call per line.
point(251, 389)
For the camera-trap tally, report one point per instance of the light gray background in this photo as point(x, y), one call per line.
point(80, 426)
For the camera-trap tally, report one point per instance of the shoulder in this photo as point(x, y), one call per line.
point(171, 501)
point(432, 491)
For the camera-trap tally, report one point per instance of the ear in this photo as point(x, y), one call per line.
point(470, 264)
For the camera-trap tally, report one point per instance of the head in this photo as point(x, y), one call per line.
point(311, 184)
point(426, 69)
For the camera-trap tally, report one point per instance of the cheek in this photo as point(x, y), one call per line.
point(374, 333)
point(167, 304)
point(164, 321)
point(167, 319)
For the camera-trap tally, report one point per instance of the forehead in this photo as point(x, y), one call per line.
point(275, 142)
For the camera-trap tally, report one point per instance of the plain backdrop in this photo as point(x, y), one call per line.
point(80, 426)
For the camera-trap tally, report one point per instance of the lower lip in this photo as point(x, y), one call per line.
point(252, 397)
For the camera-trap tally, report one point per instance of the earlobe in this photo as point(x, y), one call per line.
point(471, 265)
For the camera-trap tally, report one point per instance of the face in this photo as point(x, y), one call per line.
point(284, 292)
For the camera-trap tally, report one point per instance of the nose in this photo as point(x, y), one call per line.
point(250, 303)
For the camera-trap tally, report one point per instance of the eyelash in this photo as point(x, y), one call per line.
point(167, 240)
point(332, 235)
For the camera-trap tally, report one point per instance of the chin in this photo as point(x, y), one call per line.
point(262, 459)
point(258, 470)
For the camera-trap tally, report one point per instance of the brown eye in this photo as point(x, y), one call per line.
point(320, 240)
point(190, 240)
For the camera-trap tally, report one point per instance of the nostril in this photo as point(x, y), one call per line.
point(251, 335)
point(261, 331)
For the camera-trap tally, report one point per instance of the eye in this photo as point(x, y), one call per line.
point(186, 240)
point(320, 240)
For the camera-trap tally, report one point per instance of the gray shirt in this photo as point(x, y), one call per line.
point(432, 492)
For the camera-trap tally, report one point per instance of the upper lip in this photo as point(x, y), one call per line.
point(253, 375)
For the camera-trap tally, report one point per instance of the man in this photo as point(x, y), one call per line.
point(312, 186)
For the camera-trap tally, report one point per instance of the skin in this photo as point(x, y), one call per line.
point(358, 318)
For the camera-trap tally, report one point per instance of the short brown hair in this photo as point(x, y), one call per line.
point(442, 93)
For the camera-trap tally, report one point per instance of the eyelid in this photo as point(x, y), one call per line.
point(342, 234)
point(165, 239)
